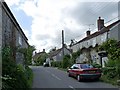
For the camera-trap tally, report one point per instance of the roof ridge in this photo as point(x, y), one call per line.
point(103, 30)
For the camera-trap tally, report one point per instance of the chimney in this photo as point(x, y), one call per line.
point(88, 33)
point(43, 50)
point(100, 23)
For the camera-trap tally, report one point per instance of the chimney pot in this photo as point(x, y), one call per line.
point(88, 33)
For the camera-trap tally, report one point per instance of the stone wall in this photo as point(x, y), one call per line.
point(11, 31)
point(0, 45)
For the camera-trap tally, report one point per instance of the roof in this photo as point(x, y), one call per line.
point(103, 30)
point(13, 18)
point(38, 54)
point(54, 53)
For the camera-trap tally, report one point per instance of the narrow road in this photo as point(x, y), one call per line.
point(48, 77)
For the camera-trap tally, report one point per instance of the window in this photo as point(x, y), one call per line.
point(85, 66)
point(75, 67)
point(20, 40)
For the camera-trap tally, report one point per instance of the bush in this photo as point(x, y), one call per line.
point(110, 72)
point(66, 61)
point(96, 65)
point(29, 76)
point(13, 76)
point(53, 64)
point(59, 64)
point(56, 64)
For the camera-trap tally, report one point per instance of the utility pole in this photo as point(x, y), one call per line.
point(63, 42)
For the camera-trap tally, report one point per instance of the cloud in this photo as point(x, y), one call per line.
point(50, 17)
point(88, 12)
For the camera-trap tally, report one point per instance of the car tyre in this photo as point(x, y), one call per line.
point(69, 75)
point(97, 79)
point(78, 78)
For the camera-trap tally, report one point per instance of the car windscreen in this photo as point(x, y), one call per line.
point(86, 66)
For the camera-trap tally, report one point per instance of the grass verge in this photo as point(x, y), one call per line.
point(113, 81)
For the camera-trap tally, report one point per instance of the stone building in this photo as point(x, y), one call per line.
point(58, 55)
point(11, 33)
point(89, 44)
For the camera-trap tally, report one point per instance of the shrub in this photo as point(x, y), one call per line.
point(29, 76)
point(110, 72)
point(66, 61)
point(96, 65)
point(56, 64)
point(13, 75)
point(59, 64)
point(53, 64)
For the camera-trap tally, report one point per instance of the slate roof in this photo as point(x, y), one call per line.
point(103, 30)
point(54, 53)
point(38, 54)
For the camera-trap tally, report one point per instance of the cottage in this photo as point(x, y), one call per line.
point(39, 55)
point(89, 44)
point(58, 55)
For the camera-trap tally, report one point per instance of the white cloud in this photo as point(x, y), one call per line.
point(12, 2)
point(49, 18)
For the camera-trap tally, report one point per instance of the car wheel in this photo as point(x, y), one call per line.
point(78, 78)
point(97, 79)
point(69, 74)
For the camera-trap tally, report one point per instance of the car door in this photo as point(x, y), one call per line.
point(73, 70)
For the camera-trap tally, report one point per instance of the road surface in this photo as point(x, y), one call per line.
point(48, 77)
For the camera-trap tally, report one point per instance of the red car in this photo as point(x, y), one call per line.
point(84, 71)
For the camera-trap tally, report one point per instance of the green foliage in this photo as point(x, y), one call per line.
point(66, 61)
point(27, 52)
point(29, 76)
point(41, 59)
point(74, 56)
point(53, 64)
point(111, 47)
point(56, 64)
point(13, 76)
point(110, 72)
point(96, 65)
point(111, 63)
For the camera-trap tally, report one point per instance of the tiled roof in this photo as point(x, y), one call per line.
point(103, 30)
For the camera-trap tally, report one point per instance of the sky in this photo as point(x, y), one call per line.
point(42, 21)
